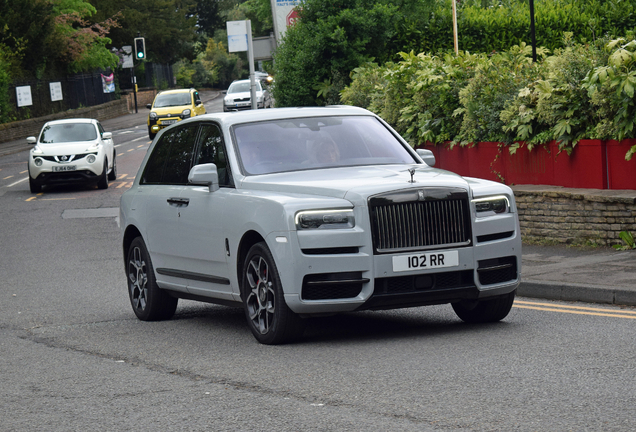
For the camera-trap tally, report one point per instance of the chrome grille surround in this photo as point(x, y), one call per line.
point(420, 219)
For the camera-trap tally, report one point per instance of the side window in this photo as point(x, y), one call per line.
point(101, 129)
point(171, 157)
point(197, 98)
point(156, 161)
point(211, 150)
point(180, 156)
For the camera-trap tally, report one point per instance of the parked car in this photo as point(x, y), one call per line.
point(171, 106)
point(72, 151)
point(294, 212)
point(238, 96)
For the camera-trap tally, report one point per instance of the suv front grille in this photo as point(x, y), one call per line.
point(419, 219)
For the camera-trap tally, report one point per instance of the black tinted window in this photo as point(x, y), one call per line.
point(211, 150)
point(171, 157)
point(180, 157)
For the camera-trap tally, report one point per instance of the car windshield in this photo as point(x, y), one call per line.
point(240, 87)
point(170, 100)
point(317, 142)
point(68, 132)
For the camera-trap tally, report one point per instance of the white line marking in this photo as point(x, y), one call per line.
point(19, 181)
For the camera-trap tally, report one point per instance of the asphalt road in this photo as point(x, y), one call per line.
point(74, 357)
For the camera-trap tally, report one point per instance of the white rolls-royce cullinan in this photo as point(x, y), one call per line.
point(295, 212)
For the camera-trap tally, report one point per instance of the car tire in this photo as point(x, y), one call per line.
point(112, 175)
point(150, 134)
point(486, 310)
point(102, 183)
point(34, 186)
point(149, 302)
point(268, 316)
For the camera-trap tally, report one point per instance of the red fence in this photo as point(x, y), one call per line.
point(594, 164)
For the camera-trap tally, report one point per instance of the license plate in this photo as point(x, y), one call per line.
point(168, 122)
point(64, 168)
point(425, 261)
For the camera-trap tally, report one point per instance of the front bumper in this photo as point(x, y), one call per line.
point(76, 171)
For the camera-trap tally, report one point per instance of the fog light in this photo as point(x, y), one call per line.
point(37, 162)
point(90, 158)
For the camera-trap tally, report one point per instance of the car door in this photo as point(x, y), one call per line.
point(203, 222)
point(167, 171)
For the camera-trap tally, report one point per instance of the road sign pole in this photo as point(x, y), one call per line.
point(250, 56)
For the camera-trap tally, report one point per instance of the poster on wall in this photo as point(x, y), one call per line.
point(56, 91)
point(23, 96)
point(108, 82)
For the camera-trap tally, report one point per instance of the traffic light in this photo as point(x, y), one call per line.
point(140, 48)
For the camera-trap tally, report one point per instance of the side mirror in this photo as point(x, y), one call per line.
point(427, 156)
point(31, 140)
point(205, 175)
point(197, 102)
point(107, 135)
point(224, 92)
point(149, 106)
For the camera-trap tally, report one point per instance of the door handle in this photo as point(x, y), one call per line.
point(179, 202)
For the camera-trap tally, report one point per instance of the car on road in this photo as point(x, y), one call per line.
point(72, 151)
point(238, 96)
point(297, 212)
point(171, 106)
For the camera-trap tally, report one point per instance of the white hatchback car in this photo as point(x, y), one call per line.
point(295, 212)
point(238, 96)
point(72, 151)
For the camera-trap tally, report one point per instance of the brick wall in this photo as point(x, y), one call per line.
point(575, 215)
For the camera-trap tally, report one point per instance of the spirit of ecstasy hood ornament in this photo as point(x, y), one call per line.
point(412, 172)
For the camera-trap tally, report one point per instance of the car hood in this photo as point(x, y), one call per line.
point(176, 110)
point(355, 184)
point(63, 148)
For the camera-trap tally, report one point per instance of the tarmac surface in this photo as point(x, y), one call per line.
point(593, 275)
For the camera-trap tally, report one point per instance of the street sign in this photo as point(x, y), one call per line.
point(236, 36)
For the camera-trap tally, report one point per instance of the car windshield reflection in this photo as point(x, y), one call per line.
point(169, 100)
point(316, 143)
point(68, 132)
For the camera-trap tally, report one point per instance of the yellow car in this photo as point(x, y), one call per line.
point(170, 106)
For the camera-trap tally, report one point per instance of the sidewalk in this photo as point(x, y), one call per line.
point(599, 275)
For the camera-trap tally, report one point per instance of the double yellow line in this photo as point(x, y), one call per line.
point(580, 310)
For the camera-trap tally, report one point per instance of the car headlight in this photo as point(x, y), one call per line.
point(38, 162)
point(153, 115)
point(495, 204)
point(91, 158)
point(185, 113)
point(93, 149)
point(325, 219)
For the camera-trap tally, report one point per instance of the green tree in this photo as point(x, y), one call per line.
point(169, 26)
point(313, 62)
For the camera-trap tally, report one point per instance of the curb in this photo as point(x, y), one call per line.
point(564, 291)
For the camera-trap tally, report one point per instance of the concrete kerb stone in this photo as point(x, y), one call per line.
point(576, 292)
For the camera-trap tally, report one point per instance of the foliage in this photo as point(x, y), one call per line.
point(628, 239)
point(556, 106)
point(611, 89)
point(580, 91)
point(81, 44)
point(330, 40)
